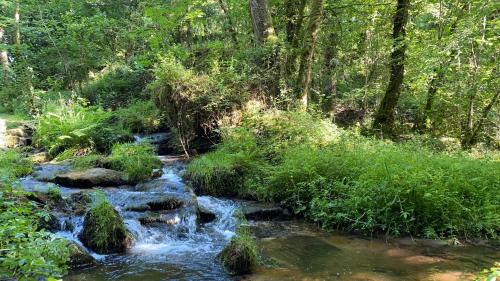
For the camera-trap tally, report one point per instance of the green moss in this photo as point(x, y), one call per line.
point(240, 256)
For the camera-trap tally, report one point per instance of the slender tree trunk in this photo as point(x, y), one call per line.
point(262, 22)
point(17, 34)
point(309, 45)
point(384, 119)
point(472, 131)
point(295, 21)
point(231, 28)
point(330, 69)
point(4, 59)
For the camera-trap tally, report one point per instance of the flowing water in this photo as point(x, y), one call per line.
point(180, 248)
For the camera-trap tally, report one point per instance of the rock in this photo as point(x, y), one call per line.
point(240, 256)
point(205, 216)
point(53, 224)
point(138, 208)
point(91, 178)
point(40, 158)
point(104, 231)
point(18, 137)
point(48, 172)
point(156, 173)
point(165, 204)
point(79, 257)
point(261, 211)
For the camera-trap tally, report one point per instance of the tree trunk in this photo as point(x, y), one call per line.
point(295, 21)
point(17, 34)
point(309, 45)
point(262, 22)
point(330, 69)
point(471, 133)
point(384, 119)
point(4, 59)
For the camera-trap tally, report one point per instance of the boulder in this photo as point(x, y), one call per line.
point(240, 256)
point(261, 211)
point(205, 216)
point(79, 257)
point(165, 204)
point(41, 157)
point(48, 172)
point(91, 178)
point(104, 231)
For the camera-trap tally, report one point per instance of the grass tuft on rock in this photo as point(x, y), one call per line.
point(240, 256)
point(137, 160)
point(103, 229)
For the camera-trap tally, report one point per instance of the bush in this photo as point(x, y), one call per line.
point(70, 125)
point(240, 256)
point(116, 86)
point(140, 117)
point(13, 165)
point(103, 228)
point(193, 103)
point(27, 254)
point(137, 160)
point(342, 180)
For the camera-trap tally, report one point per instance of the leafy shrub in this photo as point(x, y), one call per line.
point(116, 86)
point(137, 160)
point(70, 125)
point(193, 103)
point(140, 117)
point(27, 254)
point(491, 274)
point(13, 164)
point(93, 160)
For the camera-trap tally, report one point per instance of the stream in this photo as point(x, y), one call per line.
point(176, 247)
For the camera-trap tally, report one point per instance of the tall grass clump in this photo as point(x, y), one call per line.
point(137, 160)
point(240, 256)
point(70, 125)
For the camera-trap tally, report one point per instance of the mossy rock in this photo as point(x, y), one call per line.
point(240, 256)
point(104, 231)
point(79, 257)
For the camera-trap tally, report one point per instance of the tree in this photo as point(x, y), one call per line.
point(309, 45)
point(384, 118)
point(262, 22)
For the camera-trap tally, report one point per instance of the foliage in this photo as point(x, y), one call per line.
point(140, 117)
point(490, 274)
point(193, 103)
point(355, 183)
point(70, 125)
point(13, 164)
point(116, 86)
point(26, 253)
point(240, 256)
point(137, 160)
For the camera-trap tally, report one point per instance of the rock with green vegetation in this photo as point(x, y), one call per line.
point(79, 257)
point(91, 178)
point(240, 256)
point(103, 229)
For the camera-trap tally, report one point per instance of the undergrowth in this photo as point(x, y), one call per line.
point(345, 181)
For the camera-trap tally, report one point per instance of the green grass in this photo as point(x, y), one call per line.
point(344, 181)
point(137, 160)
